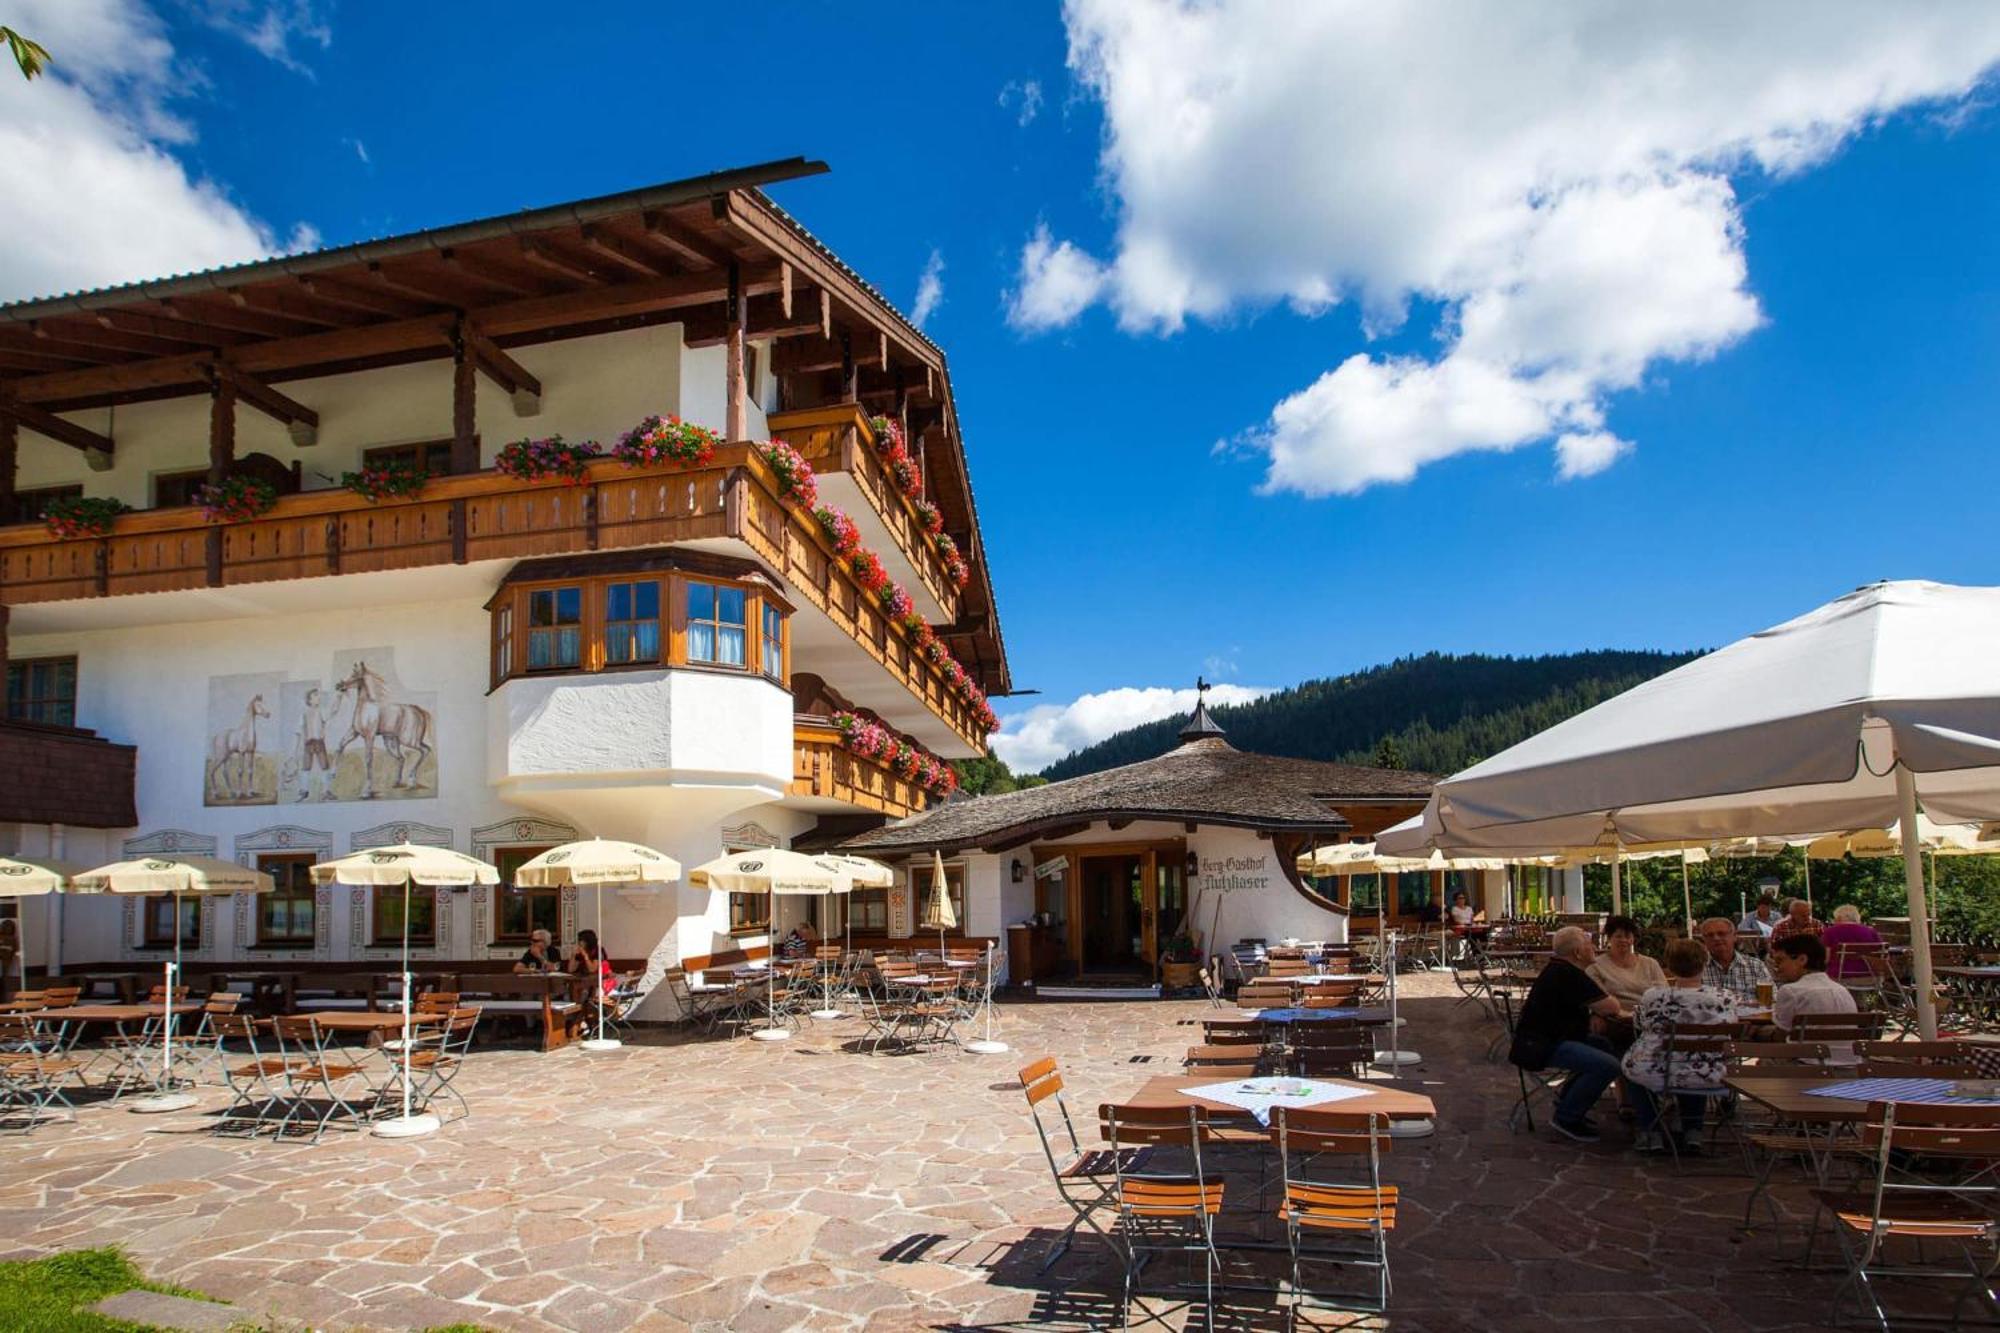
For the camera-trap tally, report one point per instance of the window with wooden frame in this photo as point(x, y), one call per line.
point(285, 915)
point(749, 913)
point(387, 914)
point(433, 456)
point(520, 911)
point(42, 689)
point(30, 503)
point(555, 629)
point(178, 488)
point(868, 911)
point(616, 621)
point(159, 914)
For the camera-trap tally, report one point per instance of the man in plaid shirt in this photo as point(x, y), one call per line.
point(1799, 920)
point(1728, 968)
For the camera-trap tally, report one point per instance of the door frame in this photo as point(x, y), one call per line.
point(1150, 853)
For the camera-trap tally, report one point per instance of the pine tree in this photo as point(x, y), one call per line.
point(1388, 754)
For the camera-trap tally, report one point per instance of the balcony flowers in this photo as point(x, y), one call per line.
point(81, 516)
point(955, 567)
point(399, 480)
point(867, 569)
point(930, 516)
point(795, 475)
point(896, 601)
point(895, 456)
point(538, 460)
point(840, 530)
point(658, 440)
point(923, 636)
point(872, 740)
point(236, 499)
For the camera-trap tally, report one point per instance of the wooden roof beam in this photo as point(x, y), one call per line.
point(543, 256)
point(693, 248)
point(420, 287)
point(333, 291)
point(41, 346)
point(89, 333)
point(97, 449)
point(167, 328)
point(225, 315)
point(505, 371)
point(29, 362)
point(481, 269)
point(299, 307)
point(1010, 842)
point(300, 421)
point(767, 319)
point(608, 245)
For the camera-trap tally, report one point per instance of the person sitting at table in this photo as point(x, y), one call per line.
point(1461, 910)
point(801, 942)
point(1848, 943)
point(1623, 973)
point(1761, 919)
point(1728, 967)
point(1799, 920)
point(539, 956)
point(1555, 1029)
point(587, 958)
point(1680, 998)
point(1799, 964)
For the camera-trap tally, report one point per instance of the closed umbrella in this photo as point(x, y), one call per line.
point(30, 877)
point(771, 871)
point(938, 913)
point(179, 877)
point(406, 863)
point(1869, 710)
point(597, 863)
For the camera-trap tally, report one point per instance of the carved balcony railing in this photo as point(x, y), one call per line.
point(823, 767)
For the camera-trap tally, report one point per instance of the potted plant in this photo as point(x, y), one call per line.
point(795, 475)
point(395, 480)
point(1180, 963)
point(553, 456)
point(666, 440)
point(236, 499)
point(80, 516)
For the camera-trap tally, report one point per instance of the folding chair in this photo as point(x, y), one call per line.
point(33, 1068)
point(1210, 987)
point(1336, 995)
point(1839, 1033)
point(439, 1054)
point(315, 1070)
point(254, 1075)
point(1534, 1083)
point(1688, 1045)
point(1264, 995)
point(701, 1003)
point(1767, 1139)
point(1086, 1179)
point(1163, 1214)
point(1329, 1050)
point(1899, 1206)
point(1352, 1216)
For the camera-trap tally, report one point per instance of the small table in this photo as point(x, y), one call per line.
point(124, 984)
point(373, 1021)
point(116, 1014)
point(1166, 1090)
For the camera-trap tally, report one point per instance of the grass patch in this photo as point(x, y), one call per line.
point(48, 1295)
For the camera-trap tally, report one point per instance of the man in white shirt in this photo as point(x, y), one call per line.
point(1798, 963)
point(1762, 918)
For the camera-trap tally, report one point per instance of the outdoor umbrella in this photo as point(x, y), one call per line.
point(180, 877)
point(938, 914)
point(406, 863)
point(862, 873)
point(1850, 716)
point(31, 877)
point(771, 871)
point(597, 863)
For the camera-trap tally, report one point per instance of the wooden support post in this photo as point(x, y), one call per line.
point(464, 393)
point(850, 382)
point(459, 536)
point(737, 424)
point(221, 426)
point(10, 457)
point(3, 645)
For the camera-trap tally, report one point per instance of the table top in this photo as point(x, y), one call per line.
point(362, 1021)
point(1787, 1096)
point(1167, 1090)
point(110, 1013)
point(1324, 978)
point(1968, 971)
point(1368, 1017)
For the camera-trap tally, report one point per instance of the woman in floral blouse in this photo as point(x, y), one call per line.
point(1682, 1000)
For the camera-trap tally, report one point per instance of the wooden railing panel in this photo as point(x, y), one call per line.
point(285, 548)
point(822, 767)
point(157, 561)
point(51, 572)
point(396, 536)
point(523, 524)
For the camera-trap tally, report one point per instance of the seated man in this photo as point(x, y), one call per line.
point(1728, 967)
point(539, 956)
point(1554, 1029)
point(1799, 920)
point(1761, 919)
point(1799, 964)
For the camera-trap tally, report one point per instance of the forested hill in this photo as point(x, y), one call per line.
point(1437, 713)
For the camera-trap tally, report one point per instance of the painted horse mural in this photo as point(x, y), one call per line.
point(404, 730)
point(232, 756)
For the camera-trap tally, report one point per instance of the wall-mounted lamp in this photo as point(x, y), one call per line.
point(1193, 865)
point(1014, 871)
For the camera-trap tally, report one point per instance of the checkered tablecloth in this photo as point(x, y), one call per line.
point(1908, 1091)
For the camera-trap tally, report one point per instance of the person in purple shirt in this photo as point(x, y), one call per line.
point(1849, 963)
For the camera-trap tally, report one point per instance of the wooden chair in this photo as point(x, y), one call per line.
point(1917, 1069)
point(1164, 1214)
point(1339, 995)
point(1915, 1052)
point(1767, 1139)
point(1086, 1180)
point(1338, 1051)
point(440, 1053)
point(1294, 966)
point(1688, 1045)
point(1898, 1208)
point(1264, 995)
point(315, 1071)
point(1349, 1219)
point(1840, 1033)
point(253, 1071)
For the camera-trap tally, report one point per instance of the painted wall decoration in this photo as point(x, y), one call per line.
point(358, 734)
point(241, 764)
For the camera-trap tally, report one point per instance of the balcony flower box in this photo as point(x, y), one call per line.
point(81, 516)
point(236, 499)
point(537, 460)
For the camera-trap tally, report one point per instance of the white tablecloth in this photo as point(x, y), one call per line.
point(1259, 1095)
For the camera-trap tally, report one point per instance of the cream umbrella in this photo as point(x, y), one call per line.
point(32, 877)
point(862, 873)
point(595, 864)
point(1933, 840)
point(178, 877)
point(938, 913)
point(406, 863)
point(771, 871)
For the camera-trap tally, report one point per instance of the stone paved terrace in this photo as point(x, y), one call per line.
point(732, 1184)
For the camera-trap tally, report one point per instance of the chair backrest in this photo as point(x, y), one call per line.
point(221, 1002)
point(1225, 1070)
point(1340, 996)
point(1154, 1126)
point(1042, 1082)
point(458, 1028)
point(1306, 1132)
point(1217, 1034)
point(1778, 1059)
point(1916, 1052)
point(237, 1027)
point(1933, 1131)
point(1325, 1032)
point(1287, 967)
point(1947, 955)
point(60, 997)
point(1192, 1196)
point(1331, 1061)
point(1916, 1069)
point(1836, 1027)
point(437, 1002)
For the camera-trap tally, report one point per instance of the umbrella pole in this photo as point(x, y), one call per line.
point(1617, 885)
point(165, 1098)
point(1687, 894)
point(603, 960)
point(406, 1125)
point(826, 1009)
point(1808, 860)
point(771, 1031)
point(1920, 921)
point(986, 1045)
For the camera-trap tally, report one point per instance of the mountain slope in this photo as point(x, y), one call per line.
point(1436, 713)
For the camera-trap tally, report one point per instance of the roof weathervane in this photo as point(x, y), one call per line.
point(1200, 726)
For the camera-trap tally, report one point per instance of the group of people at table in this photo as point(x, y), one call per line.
point(1606, 1016)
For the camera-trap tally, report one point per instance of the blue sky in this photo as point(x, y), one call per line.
point(1810, 410)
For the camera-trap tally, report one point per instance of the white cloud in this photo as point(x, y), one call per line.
point(360, 151)
point(95, 192)
point(1024, 98)
point(1558, 181)
point(1031, 741)
point(930, 289)
point(1057, 283)
point(272, 27)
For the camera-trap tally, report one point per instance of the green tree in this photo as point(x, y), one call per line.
point(30, 55)
point(1388, 754)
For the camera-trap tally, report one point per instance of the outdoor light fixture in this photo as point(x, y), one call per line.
point(1014, 869)
point(1193, 865)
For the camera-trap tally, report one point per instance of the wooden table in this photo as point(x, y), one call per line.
point(1787, 1097)
point(124, 983)
point(369, 1020)
point(1398, 1104)
point(108, 1013)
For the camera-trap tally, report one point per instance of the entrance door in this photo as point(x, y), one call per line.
point(1115, 904)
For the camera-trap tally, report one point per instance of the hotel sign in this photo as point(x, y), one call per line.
point(1235, 874)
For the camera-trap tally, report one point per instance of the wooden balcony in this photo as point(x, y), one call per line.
point(823, 767)
point(479, 516)
point(836, 440)
point(66, 775)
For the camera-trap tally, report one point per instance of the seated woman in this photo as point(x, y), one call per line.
point(589, 958)
point(1683, 999)
point(1623, 973)
point(1848, 943)
point(801, 942)
point(1461, 910)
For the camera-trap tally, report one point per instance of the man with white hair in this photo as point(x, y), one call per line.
point(1554, 1030)
point(1728, 967)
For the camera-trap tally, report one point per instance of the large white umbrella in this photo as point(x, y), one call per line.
point(1851, 716)
point(406, 863)
point(597, 863)
point(771, 871)
point(180, 877)
point(32, 877)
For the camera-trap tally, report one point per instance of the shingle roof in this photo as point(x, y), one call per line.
point(1206, 781)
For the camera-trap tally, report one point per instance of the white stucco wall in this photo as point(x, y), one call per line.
point(640, 722)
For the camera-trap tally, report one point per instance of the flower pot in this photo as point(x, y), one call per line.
point(1180, 976)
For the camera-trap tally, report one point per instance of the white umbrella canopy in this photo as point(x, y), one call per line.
point(1849, 716)
point(31, 877)
point(866, 874)
point(938, 912)
point(772, 871)
point(1933, 838)
point(596, 863)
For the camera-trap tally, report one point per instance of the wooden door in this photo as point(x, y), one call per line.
point(1149, 913)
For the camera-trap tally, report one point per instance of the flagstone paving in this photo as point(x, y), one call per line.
point(716, 1184)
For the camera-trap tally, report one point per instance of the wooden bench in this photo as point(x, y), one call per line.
point(555, 1001)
